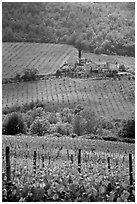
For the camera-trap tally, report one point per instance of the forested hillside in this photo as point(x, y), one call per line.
point(107, 28)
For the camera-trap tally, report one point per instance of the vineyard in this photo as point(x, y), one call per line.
point(50, 168)
point(108, 98)
point(47, 58)
point(66, 169)
point(127, 61)
point(56, 166)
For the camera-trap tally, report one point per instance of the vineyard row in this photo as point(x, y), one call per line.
point(106, 97)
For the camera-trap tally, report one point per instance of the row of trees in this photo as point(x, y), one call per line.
point(97, 27)
point(77, 122)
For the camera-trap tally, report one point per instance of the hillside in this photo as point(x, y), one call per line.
point(47, 58)
point(107, 98)
point(107, 28)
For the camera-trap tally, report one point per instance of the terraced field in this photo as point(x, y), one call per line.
point(47, 58)
point(108, 98)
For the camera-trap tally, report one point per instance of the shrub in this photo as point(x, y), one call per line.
point(69, 128)
point(52, 118)
point(110, 138)
point(5, 110)
point(105, 123)
point(66, 115)
point(52, 128)
point(3, 117)
point(30, 115)
point(122, 68)
point(27, 118)
point(55, 134)
point(30, 74)
point(73, 135)
point(58, 116)
point(128, 129)
point(61, 129)
point(78, 109)
point(17, 77)
point(128, 140)
point(40, 127)
point(13, 124)
point(91, 120)
point(36, 112)
point(79, 125)
point(97, 137)
point(104, 132)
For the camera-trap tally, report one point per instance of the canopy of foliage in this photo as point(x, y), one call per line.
point(107, 28)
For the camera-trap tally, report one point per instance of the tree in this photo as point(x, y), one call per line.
point(13, 124)
point(30, 74)
point(128, 129)
point(7, 35)
point(122, 68)
point(79, 124)
point(91, 120)
point(72, 23)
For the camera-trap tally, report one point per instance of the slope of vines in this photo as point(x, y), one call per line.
point(47, 58)
point(114, 99)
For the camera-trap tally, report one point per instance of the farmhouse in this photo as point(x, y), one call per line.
point(89, 67)
point(96, 67)
point(101, 65)
point(113, 67)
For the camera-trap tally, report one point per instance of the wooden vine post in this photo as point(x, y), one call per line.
point(43, 157)
point(79, 160)
point(71, 158)
point(108, 159)
point(42, 161)
point(26, 151)
point(8, 174)
point(68, 153)
point(34, 161)
point(49, 158)
point(130, 170)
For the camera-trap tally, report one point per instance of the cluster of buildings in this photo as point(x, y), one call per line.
point(90, 68)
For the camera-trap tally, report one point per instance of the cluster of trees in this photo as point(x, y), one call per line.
point(68, 122)
point(28, 75)
point(107, 28)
